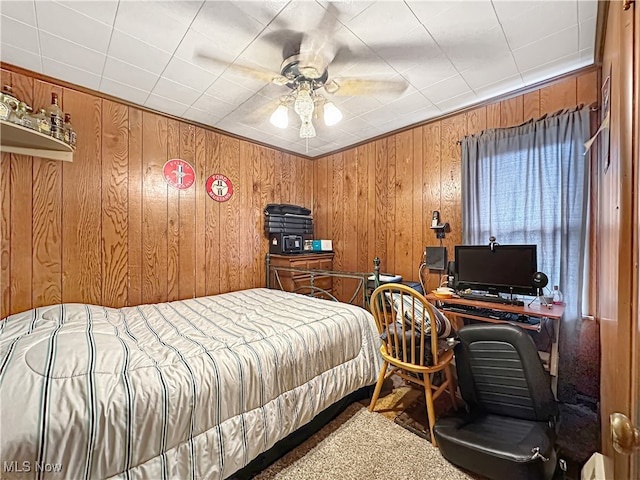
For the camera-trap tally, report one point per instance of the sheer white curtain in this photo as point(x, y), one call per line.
point(529, 185)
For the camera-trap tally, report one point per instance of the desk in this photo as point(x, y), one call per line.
point(555, 313)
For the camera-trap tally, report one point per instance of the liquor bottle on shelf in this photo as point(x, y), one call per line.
point(69, 131)
point(558, 298)
point(21, 116)
point(56, 117)
point(43, 123)
point(8, 103)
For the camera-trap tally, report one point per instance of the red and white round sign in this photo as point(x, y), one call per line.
point(219, 187)
point(179, 174)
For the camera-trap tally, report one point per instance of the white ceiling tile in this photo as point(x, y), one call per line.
point(431, 72)
point(263, 12)
point(470, 19)
point(135, 52)
point(168, 21)
point(509, 9)
point(123, 72)
point(226, 24)
point(558, 66)
point(71, 53)
point(505, 85)
point(166, 105)
point(74, 26)
point(470, 51)
point(125, 92)
point(102, 11)
point(188, 74)
point(232, 92)
point(415, 47)
point(547, 49)
point(587, 9)
point(396, 22)
point(70, 74)
point(357, 105)
point(19, 35)
point(490, 72)
point(347, 9)
point(446, 89)
point(213, 105)
point(201, 116)
point(587, 34)
point(23, 58)
point(544, 19)
point(587, 55)
point(20, 10)
point(458, 102)
point(175, 91)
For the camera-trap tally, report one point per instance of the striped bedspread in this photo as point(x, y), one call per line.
point(180, 390)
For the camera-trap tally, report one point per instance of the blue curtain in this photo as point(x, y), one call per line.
point(530, 185)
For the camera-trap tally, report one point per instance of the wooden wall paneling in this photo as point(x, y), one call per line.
point(256, 208)
point(588, 88)
point(187, 218)
point(390, 185)
point(511, 112)
point(229, 221)
point(453, 129)
point(476, 120)
point(154, 209)
point(493, 115)
point(402, 227)
point(115, 235)
point(531, 105)
point(21, 198)
point(322, 201)
point(337, 212)
point(5, 234)
point(381, 206)
point(308, 183)
point(417, 222)
point(350, 208)
point(200, 166)
point(431, 196)
point(5, 218)
point(267, 196)
point(369, 151)
point(135, 196)
point(246, 248)
point(364, 228)
point(173, 213)
point(283, 192)
point(212, 217)
point(81, 213)
point(558, 96)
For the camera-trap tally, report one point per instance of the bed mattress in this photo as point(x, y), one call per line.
point(187, 389)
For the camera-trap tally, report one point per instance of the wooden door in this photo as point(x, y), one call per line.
point(617, 238)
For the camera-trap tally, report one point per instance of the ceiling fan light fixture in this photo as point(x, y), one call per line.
point(280, 117)
point(332, 114)
point(307, 129)
point(303, 104)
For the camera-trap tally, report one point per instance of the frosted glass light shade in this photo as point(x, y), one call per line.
point(332, 114)
point(280, 117)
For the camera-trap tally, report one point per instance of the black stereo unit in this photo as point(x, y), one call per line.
point(285, 243)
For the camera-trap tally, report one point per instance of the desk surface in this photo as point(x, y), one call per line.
point(535, 309)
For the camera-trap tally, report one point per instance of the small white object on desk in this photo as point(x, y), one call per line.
point(387, 278)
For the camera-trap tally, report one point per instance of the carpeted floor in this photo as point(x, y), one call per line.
point(362, 445)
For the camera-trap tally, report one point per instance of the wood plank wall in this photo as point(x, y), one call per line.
point(107, 229)
point(377, 199)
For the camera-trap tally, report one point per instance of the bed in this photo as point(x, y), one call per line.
point(187, 389)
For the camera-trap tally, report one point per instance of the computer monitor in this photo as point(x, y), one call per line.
point(503, 269)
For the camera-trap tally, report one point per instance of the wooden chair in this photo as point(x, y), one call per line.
point(402, 315)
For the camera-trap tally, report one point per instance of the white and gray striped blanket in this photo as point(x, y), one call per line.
point(180, 390)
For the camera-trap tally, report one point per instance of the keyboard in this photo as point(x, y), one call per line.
point(493, 314)
point(491, 299)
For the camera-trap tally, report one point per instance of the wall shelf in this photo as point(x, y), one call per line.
point(25, 141)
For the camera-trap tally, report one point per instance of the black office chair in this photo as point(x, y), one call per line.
point(508, 429)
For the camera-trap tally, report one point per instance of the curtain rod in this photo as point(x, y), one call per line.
point(594, 107)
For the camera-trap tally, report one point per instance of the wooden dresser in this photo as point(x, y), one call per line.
point(292, 281)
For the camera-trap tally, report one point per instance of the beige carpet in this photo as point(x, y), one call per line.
point(361, 445)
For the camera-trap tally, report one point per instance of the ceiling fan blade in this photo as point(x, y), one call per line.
point(251, 72)
point(358, 86)
point(318, 47)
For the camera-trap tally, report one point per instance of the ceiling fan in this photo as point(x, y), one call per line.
point(305, 72)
